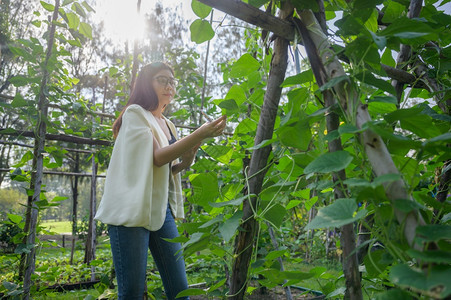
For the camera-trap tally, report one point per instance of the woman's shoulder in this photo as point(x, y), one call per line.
point(135, 108)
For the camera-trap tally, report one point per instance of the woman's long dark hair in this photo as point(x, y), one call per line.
point(143, 93)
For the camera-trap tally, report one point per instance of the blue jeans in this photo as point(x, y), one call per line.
point(129, 247)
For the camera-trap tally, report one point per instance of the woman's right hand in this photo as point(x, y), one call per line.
point(213, 128)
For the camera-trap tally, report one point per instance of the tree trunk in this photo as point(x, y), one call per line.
point(245, 239)
point(38, 162)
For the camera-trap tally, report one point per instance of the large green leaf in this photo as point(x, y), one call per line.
point(413, 120)
point(236, 93)
point(364, 4)
point(205, 187)
point(409, 29)
point(300, 78)
point(244, 66)
point(393, 293)
point(275, 215)
point(201, 10)
point(296, 135)
point(434, 232)
point(329, 162)
point(86, 30)
point(375, 263)
point(339, 213)
point(393, 11)
point(436, 283)
point(201, 31)
point(73, 20)
point(47, 6)
point(219, 152)
point(433, 256)
point(230, 226)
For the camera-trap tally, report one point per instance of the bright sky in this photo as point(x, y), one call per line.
point(122, 21)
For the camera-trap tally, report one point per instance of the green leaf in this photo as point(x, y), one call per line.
point(15, 218)
point(407, 205)
point(20, 80)
point(434, 232)
point(374, 262)
point(246, 126)
point(329, 162)
point(409, 29)
point(201, 10)
point(339, 213)
point(411, 119)
point(437, 282)
point(219, 152)
point(66, 2)
point(79, 9)
point(293, 203)
point(394, 294)
point(296, 135)
point(244, 66)
point(230, 226)
point(302, 4)
point(87, 6)
point(47, 6)
point(370, 79)
point(310, 202)
point(446, 137)
point(86, 30)
point(380, 41)
point(19, 101)
point(387, 58)
point(217, 285)
point(300, 78)
point(205, 187)
point(229, 105)
point(433, 256)
point(191, 292)
point(201, 31)
point(348, 128)
point(217, 219)
point(393, 11)
point(333, 82)
point(236, 93)
point(73, 20)
point(233, 202)
point(364, 4)
point(275, 215)
point(262, 144)
point(20, 52)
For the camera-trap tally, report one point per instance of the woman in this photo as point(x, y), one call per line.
point(143, 192)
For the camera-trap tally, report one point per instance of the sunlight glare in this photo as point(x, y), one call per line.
point(121, 20)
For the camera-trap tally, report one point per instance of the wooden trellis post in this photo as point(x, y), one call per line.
point(244, 242)
point(38, 164)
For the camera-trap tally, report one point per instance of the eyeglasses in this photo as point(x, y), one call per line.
point(164, 81)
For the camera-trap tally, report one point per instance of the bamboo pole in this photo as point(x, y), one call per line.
point(375, 148)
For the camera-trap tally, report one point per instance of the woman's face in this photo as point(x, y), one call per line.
point(164, 85)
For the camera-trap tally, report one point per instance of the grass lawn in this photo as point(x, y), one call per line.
point(58, 227)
